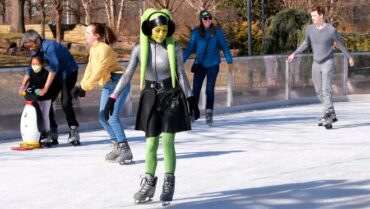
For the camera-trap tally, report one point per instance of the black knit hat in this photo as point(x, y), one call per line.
point(203, 14)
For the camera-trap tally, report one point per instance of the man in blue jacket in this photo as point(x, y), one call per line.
point(207, 40)
point(63, 72)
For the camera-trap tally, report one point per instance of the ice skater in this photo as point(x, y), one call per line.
point(30, 87)
point(321, 36)
point(207, 41)
point(164, 100)
point(63, 72)
point(103, 69)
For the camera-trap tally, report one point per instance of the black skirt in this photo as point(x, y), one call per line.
point(162, 111)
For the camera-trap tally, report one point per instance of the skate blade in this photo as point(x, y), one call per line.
point(138, 202)
point(46, 145)
point(166, 203)
point(328, 126)
point(127, 162)
point(75, 143)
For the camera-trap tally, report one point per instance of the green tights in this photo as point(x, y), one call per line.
point(168, 141)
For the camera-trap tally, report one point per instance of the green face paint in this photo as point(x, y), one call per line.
point(159, 33)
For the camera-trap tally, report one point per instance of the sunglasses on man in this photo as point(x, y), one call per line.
point(207, 18)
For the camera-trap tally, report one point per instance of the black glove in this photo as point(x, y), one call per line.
point(77, 91)
point(109, 107)
point(193, 107)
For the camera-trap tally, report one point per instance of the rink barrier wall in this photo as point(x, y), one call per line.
point(259, 82)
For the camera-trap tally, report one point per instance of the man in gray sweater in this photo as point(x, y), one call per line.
point(321, 36)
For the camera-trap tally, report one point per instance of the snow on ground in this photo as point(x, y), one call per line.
point(275, 158)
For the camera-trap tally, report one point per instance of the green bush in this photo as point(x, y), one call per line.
point(237, 35)
point(356, 41)
point(285, 31)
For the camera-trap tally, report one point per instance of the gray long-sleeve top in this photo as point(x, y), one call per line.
point(158, 68)
point(322, 42)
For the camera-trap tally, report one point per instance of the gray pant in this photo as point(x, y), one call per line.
point(322, 76)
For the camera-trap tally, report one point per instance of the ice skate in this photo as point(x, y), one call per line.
point(45, 140)
point(147, 190)
point(209, 117)
point(74, 136)
point(168, 189)
point(322, 119)
point(328, 120)
point(125, 157)
point(113, 155)
point(54, 136)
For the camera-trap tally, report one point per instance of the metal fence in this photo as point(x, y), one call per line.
point(257, 79)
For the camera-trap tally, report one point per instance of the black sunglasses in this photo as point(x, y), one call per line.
point(207, 18)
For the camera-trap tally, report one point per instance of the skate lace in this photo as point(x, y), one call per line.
point(327, 116)
point(145, 185)
point(115, 149)
point(167, 186)
point(125, 147)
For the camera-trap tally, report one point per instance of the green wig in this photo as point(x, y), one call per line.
point(144, 46)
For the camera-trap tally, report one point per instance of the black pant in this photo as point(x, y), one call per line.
point(65, 87)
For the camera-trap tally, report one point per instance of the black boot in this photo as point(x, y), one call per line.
point(54, 136)
point(146, 192)
point(168, 189)
point(45, 140)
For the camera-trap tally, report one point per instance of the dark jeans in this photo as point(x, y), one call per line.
point(65, 87)
point(211, 74)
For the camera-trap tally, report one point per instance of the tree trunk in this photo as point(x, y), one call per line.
point(2, 11)
point(120, 15)
point(111, 13)
point(88, 15)
point(86, 4)
point(29, 11)
point(58, 20)
point(17, 16)
point(107, 11)
point(42, 6)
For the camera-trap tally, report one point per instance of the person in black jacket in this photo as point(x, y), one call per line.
point(36, 81)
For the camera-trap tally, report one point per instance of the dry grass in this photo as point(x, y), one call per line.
point(77, 35)
point(11, 61)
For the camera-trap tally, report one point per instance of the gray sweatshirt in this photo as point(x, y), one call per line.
point(322, 42)
point(158, 68)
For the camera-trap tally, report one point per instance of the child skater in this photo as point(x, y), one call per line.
point(34, 81)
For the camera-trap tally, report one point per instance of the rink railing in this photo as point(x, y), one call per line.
point(257, 80)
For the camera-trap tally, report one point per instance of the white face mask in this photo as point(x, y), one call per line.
point(36, 68)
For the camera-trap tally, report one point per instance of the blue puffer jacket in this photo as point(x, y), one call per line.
point(216, 42)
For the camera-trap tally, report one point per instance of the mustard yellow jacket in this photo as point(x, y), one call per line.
point(102, 62)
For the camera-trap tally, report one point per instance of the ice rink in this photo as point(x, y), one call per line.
point(274, 158)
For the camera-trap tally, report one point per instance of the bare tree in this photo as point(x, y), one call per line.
point(120, 15)
point(210, 5)
point(172, 5)
point(58, 8)
point(89, 6)
point(17, 16)
point(2, 11)
point(114, 13)
point(329, 5)
point(42, 13)
point(29, 6)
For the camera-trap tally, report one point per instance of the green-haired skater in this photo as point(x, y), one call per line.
point(166, 99)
